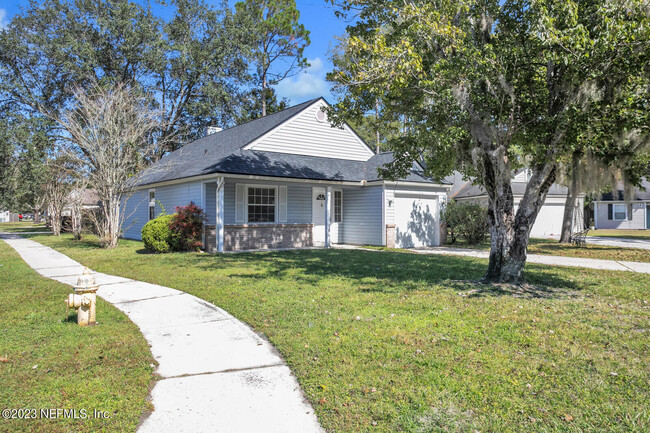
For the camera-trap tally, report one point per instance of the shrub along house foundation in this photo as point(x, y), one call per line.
point(290, 180)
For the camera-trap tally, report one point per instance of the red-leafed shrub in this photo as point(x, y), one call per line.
point(187, 228)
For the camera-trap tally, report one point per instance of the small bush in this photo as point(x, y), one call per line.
point(187, 228)
point(467, 220)
point(157, 236)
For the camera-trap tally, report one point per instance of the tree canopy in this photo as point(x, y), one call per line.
point(277, 41)
point(490, 86)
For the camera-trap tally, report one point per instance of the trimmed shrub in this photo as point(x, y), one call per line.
point(157, 236)
point(187, 228)
point(467, 220)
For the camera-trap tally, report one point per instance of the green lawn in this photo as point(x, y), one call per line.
point(48, 362)
point(553, 248)
point(388, 342)
point(629, 234)
point(26, 226)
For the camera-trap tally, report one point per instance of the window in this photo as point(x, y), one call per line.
point(152, 204)
point(338, 206)
point(261, 205)
point(620, 212)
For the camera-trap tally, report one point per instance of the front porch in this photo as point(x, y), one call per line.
point(257, 214)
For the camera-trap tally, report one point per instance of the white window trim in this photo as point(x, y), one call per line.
point(151, 204)
point(334, 191)
point(275, 206)
point(614, 211)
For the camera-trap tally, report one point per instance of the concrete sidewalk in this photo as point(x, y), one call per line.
point(218, 375)
point(611, 265)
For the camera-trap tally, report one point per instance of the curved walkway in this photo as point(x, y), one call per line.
point(217, 375)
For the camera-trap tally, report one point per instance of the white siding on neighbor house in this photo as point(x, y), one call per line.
point(136, 215)
point(305, 135)
point(362, 216)
point(298, 200)
point(638, 220)
point(549, 219)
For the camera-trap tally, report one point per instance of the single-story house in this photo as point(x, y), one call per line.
point(88, 198)
point(287, 180)
point(549, 220)
point(612, 211)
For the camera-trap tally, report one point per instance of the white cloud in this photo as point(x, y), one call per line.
point(308, 84)
point(3, 16)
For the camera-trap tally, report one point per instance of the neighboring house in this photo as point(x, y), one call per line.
point(290, 180)
point(612, 211)
point(549, 219)
point(8, 217)
point(89, 200)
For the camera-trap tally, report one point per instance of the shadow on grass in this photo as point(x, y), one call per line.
point(370, 271)
point(386, 272)
point(476, 289)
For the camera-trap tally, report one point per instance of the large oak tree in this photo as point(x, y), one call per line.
point(489, 86)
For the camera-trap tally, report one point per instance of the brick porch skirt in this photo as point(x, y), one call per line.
point(260, 236)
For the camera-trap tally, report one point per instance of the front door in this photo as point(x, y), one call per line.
point(647, 216)
point(318, 216)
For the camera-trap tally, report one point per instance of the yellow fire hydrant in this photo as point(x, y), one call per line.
point(83, 299)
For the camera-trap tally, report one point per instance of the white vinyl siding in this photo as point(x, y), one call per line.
point(135, 210)
point(637, 220)
point(211, 203)
point(362, 216)
point(170, 196)
point(305, 135)
point(282, 205)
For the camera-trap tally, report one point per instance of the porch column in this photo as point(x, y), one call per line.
point(220, 214)
point(328, 200)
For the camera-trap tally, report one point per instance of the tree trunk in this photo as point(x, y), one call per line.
point(571, 202)
point(76, 221)
point(37, 217)
point(509, 232)
point(110, 224)
point(55, 220)
point(264, 85)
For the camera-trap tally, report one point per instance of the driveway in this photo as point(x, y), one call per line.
point(619, 242)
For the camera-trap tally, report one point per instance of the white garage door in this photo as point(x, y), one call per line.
point(548, 221)
point(416, 221)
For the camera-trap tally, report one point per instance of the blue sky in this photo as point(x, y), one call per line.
point(317, 16)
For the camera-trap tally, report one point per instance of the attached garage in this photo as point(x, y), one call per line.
point(416, 220)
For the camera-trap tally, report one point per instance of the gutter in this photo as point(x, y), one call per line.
point(289, 179)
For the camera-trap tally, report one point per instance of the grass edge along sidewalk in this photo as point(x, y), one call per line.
point(49, 362)
point(406, 342)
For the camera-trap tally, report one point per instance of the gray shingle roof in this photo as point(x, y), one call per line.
point(223, 152)
point(518, 189)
